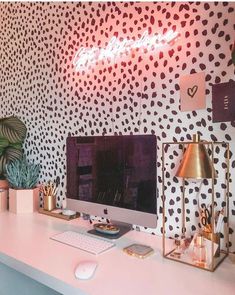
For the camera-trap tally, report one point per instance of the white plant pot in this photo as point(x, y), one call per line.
point(24, 200)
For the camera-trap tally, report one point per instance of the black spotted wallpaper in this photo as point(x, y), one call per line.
point(54, 79)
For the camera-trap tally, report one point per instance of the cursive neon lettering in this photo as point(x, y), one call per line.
point(85, 58)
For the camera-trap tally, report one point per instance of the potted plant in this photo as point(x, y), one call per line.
point(23, 176)
point(12, 135)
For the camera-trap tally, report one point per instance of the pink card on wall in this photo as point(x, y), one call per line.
point(192, 92)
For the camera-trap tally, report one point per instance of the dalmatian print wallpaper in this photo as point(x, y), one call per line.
point(55, 93)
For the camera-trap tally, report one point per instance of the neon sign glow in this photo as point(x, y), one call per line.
point(85, 58)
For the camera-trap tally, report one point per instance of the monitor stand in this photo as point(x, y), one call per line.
point(124, 228)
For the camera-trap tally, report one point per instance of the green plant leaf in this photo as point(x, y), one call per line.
point(3, 161)
point(13, 154)
point(17, 146)
point(3, 142)
point(12, 129)
point(9, 155)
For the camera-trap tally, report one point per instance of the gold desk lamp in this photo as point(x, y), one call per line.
point(196, 162)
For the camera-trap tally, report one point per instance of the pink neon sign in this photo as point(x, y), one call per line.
point(85, 58)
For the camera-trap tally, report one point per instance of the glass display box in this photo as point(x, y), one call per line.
point(201, 237)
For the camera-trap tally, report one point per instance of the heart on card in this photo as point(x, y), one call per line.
point(192, 91)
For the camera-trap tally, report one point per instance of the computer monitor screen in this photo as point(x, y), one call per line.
point(113, 177)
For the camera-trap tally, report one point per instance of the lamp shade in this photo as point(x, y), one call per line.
point(196, 162)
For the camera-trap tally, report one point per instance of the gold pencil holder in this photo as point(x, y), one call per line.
point(214, 238)
point(49, 196)
point(49, 202)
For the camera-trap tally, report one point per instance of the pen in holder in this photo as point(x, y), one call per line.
point(49, 199)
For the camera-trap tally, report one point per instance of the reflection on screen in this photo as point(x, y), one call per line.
point(118, 171)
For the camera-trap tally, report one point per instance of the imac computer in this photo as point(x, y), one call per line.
point(113, 177)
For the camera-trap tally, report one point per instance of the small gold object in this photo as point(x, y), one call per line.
point(139, 250)
point(177, 252)
point(49, 199)
point(199, 240)
point(49, 202)
point(214, 238)
point(175, 255)
point(199, 252)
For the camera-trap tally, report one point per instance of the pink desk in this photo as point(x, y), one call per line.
point(25, 245)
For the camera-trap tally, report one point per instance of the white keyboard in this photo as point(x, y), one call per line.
point(83, 242)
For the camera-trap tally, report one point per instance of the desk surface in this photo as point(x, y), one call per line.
point(26, 246)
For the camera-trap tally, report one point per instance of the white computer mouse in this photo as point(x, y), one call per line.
point(85, 270)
